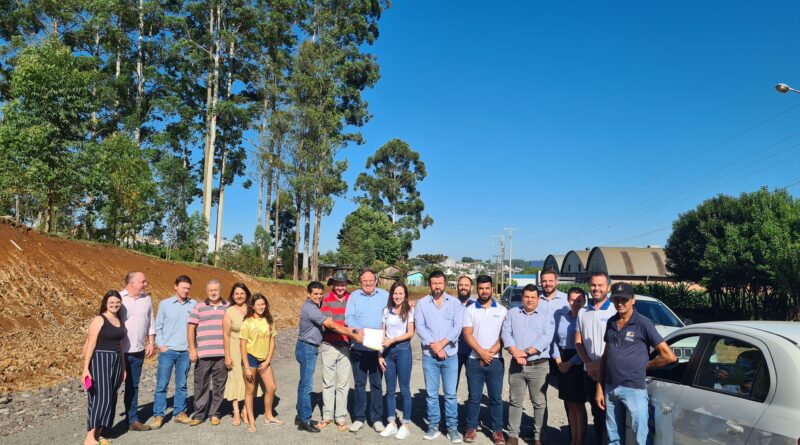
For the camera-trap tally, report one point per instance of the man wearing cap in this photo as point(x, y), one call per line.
point(528, 336)
point(628, 339)
point(312, 320)
point(334, 354)
point(590, 332)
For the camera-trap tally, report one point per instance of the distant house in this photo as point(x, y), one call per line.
point(388, 276)
point(415, 278)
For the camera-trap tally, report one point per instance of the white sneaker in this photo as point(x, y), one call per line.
point(355, 426)
point(390, 430)
point(378, 425)
point(402, 432)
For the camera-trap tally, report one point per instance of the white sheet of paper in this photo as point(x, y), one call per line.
point(373, 338)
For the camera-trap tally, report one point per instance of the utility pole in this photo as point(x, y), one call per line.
point(510, 266)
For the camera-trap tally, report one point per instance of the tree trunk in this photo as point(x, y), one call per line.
point(276, 240)
point(298, 216)
point(315, 247)
point(306, 236)
point(260, 198)
point(269, 160)
point(16, 208)
point(137, 132)
point(49, 221)
point(223, 161)
point(211, 122)
point(93, 133)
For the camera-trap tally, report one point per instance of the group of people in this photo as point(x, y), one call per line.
point(230, 343)
point(595, 351)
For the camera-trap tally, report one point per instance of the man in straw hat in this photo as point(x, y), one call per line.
point(334, 353)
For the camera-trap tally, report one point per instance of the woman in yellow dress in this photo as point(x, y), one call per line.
point(231, 324)
point(257, 343)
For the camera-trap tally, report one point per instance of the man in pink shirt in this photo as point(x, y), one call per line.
point(207, 352)
point(137, 314)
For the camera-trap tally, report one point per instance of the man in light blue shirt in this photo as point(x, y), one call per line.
point(173, 351)
point(364, 310)
point(528, 337)
point(438, 320)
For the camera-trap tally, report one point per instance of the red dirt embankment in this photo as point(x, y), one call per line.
point(50, 289)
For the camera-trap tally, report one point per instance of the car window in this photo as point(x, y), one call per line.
point(683, 347)
point(516, 295)
point(657, 313)
point(734, 367)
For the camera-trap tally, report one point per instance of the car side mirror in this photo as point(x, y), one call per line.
point(687, 321)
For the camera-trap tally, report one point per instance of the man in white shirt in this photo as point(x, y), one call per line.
point(483, 322)
point(590, 344)
point(137, 315)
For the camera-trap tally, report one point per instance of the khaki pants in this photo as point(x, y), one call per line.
point(336, 372)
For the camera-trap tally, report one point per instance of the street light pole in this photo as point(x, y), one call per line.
point(510, 246)
point(783, 88)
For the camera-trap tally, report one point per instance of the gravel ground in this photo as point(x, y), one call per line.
point(58, 414)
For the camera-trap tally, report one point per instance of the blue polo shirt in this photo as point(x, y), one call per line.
point(629, 351)
point(171, 320)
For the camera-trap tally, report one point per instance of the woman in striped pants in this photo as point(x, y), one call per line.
point(103, 367)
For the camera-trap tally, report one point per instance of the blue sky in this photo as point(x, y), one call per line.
point(578, 123)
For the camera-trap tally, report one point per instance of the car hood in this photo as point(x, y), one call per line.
point(665, 330)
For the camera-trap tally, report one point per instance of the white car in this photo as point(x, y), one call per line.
point(738, 382)
point(659, 313)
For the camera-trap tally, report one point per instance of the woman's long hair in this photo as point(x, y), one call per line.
point(251, 311)
point(104, 303)
point(404, 307)
point(247, 294)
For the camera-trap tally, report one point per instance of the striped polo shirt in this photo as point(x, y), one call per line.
point(209, 328)
point(334, 308)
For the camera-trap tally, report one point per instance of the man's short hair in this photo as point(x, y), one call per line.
point(530, 288)
point(365, 270)
point(315, 285)
point(213, 281)
point(183, 279)
point(549, 271)
point(129, 276)
point(436, 274)
point(464, 276)
point(600, 273)
point(480, 279)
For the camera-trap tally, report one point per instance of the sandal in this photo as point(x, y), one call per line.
point(104, 441)
point(342, 427)
point(273, 421)
point(323, 424)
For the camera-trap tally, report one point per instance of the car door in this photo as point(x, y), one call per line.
point(664, 386)
point(723, 404)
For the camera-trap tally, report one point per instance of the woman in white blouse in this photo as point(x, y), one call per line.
point(395, 360)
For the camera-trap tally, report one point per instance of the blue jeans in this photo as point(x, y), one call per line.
point(617, 401)
point(398, 368)
point(492, 376)
point(166, 362)
point(365, 366)
point(133, 371)
point(306, 356)
point(447, 369)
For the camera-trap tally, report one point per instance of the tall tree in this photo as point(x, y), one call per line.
point(367, 238)
point(392, 188)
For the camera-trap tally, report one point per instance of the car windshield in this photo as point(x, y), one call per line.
point(656, 312)
point(516, 295)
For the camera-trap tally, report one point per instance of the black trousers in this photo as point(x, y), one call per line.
point(598, 415)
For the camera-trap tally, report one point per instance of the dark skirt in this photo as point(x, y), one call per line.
point(570, 385)
point(106, 371)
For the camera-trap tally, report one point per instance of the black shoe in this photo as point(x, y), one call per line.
point(297, 421)
point(307, 427)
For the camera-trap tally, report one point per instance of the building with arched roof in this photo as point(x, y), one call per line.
point(644, 264)
point(574, 263)
point(553, 262)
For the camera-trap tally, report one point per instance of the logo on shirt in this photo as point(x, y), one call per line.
point(629, 336)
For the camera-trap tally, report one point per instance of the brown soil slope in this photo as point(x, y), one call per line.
point(50, 289)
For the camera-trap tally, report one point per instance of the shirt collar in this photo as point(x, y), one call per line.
point(178, 300)
point(208, 302)
point(478, 304)
point(535, 311)
point(368, 295)
point(603, 307)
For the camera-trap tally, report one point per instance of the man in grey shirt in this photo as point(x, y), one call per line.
point(312, 320)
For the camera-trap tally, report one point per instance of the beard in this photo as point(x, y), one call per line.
point(437, 293)
point(463, 295)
